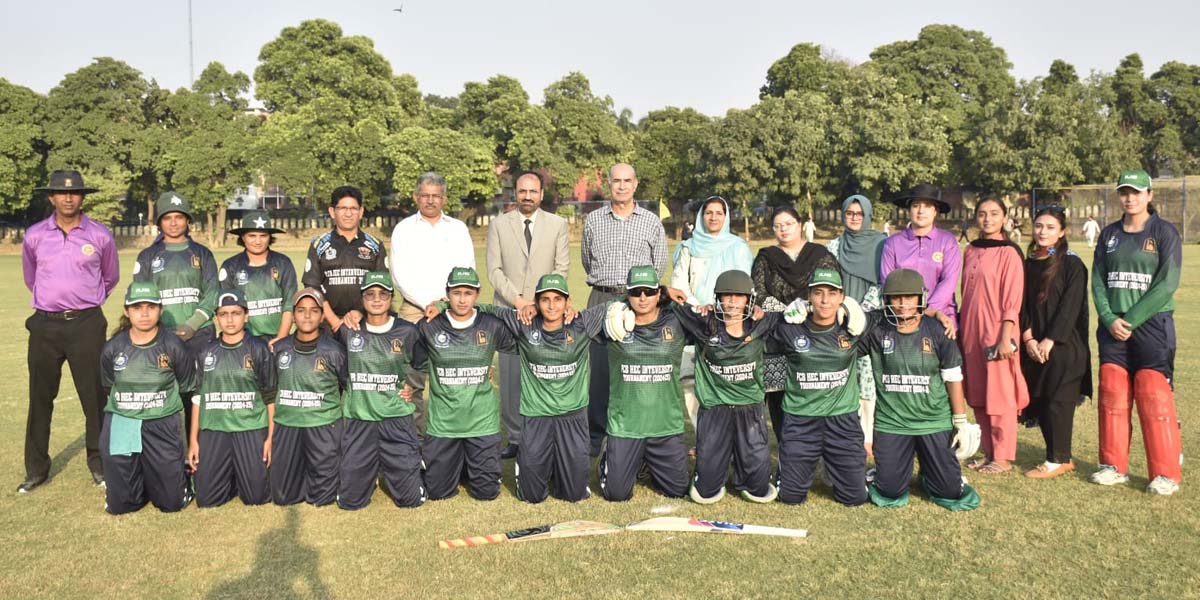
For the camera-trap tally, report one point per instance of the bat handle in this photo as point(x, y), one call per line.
point(469, 542)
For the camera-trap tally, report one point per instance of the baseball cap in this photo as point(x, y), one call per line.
point(309, 292)
point(642, 276)
point(381, 279)
point(825, 276)
point(233, 297)
point(552, 282)
point(1136, 179)
point(462, 277)
point(142, 291)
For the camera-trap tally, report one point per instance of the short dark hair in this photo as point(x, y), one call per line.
point(241, 240)
point(343, 192)
point(785, 210)
point(541, 180)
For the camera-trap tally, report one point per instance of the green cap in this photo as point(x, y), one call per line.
point(552, 281)
point(255, 220)
point(462, 277)
point(142, 291)
point(1136, 179)
point(170, 202)
point(381, 279)
point(642, 276)
point(825, 276)
point(231, 297)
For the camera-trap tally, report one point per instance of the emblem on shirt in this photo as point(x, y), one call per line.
point(843, 342)
point(164, 361)
point(195, 262)
point(668, 334)
point(714, 340)
point(364, 253)
point(87, 249)
point(481, 338)
point(397, 346)
point(330, 254)
point(284, 361)
point(535, 337)
point(1150, 246)
point(356, 343)
point(570, 338)
point(120, 361)
point(926, 345)
point(937, 257)
point(320, 365)
point(441, 340)
point(801, 343)
point(242, 277)
point(247, 362)
point(1111, 245)
point(210, 362)
point(275, 273)
point(157, 265)
point(889, 345)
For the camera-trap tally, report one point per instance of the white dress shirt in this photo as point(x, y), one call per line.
point(423, 255)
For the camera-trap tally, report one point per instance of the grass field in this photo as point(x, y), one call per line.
point(1059, 538)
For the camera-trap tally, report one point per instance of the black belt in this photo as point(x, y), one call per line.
point(609, 289)
point(67, 315)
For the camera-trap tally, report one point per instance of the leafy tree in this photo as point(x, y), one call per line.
point(585, 131)
point(466, 161)
point(1176, 86)
point(22, 146)
point(804, 69)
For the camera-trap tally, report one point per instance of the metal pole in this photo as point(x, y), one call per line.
point(1183, 220)
point(191, 50)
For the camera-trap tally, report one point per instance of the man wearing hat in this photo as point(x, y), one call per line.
point(70, 267)
point(925, 248)
point(186, 275)
point(265, 277)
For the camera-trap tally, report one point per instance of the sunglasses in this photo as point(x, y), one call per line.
point(643, 292)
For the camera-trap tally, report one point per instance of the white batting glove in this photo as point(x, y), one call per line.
point(796, 312)
point(852, 316)
point(619, 321)
point(966, 437)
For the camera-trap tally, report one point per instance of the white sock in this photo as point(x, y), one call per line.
point(1050, 466)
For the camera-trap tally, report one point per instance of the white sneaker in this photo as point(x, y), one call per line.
point(1108, 475)
point(1163, 486)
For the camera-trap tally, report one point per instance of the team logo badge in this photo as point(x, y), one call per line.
point(284, 361)
point(320, 365)
point(87, 249)
point(481, 338)
point(356, 343)
point(441, 340)
point(247, 362)
point(714, 340)
point(570, 338)
point(242, 277)
point(364, 253)
point(330, 254)
point(801, 343)
point(397, 346)
point(157, 265)
point(668, 334)
point(1111, 245)
point(535, 337)
point(1150, 246)
point(926, 345)
point(275, 273)
point(195, 262)
point(889, 345)
point(937, 257)
point(843, 342)
point(210, 362)
point(164, 361)
point(120, 362)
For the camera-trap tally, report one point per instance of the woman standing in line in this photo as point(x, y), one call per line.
point(992, 289)
point(1057, 362)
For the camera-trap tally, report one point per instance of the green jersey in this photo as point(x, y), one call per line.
point(822, 374)
point(186, 276)
point(555, 367)
point(378, 363)
point(729, 370)
point(268, 288)
point(462, 401)
point(911, 394)
point(645, 399)
point(310, 380)
point(235, 385)
point(145, 382)
point(1135, 275)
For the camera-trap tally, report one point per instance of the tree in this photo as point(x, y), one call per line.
point(668, 144)
point(466, 161)
point(804, 69)
point(22, 146)
point(585, 131)
point(1176, 86)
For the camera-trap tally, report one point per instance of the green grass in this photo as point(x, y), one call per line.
point(1060, 538)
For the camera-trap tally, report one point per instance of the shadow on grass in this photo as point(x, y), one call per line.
point(64, 456)
point(281, 561)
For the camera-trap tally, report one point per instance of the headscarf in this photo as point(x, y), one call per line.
point(721, 252)
point(859, 251)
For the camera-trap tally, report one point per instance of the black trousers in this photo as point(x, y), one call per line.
point(390, 447)
point(774, 402)
point(736, 434)
point(598, 385)
point(838, 440)
point(1056, 419)
point(444, 459)
point(195, 347)
point(666, 458)
point(79, 343)
point(304, 464)
point(553, 447)
point(939, 467)
point(153, 475)
point(231, 466)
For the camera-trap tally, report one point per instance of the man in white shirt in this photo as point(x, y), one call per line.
point(1091, 229)
point(522, 245)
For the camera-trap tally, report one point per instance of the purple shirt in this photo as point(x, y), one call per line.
point(935, 256)
point(69, 270)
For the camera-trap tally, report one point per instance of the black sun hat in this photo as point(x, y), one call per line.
point(66, 181)
point(923, 191)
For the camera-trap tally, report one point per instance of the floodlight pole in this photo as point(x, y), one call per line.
point(191, 49)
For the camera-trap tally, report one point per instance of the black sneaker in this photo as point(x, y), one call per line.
point(98, 479)
point(30, 484)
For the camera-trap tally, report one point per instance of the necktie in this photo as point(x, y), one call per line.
point(528, 235)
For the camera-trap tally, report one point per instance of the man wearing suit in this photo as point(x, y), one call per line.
point(522, 245)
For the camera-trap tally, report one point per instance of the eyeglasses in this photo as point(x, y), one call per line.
point(853, 214)
point(781, 226)
point(346, 209)
point(429, 197)
point(643, 292)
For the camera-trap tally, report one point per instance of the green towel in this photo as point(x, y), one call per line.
point(124, 435)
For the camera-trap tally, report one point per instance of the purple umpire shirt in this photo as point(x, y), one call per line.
point(935, 256)
point(70, 270)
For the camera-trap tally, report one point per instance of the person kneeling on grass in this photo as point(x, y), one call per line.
point(918, 378)
point(311, 374)
point(145, 372)
point(232, 418)
point(379, 431)
point(456, 349)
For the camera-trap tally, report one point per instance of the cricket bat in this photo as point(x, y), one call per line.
point(542, 532)
point(702, 526)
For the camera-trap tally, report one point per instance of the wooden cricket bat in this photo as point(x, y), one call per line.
point(542, 532)
point(702, 526)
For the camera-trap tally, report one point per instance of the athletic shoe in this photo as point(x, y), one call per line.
point(29, 484)
point(1162, 486)
point(98, 479)
point(871, 475)
point(1108, 475)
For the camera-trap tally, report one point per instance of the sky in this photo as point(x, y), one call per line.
point(708, 54)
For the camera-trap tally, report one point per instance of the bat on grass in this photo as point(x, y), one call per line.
point(543, 532)
point(702, 526)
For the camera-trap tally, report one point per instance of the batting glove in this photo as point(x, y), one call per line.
point(796, 312)
point(966, 437)
point(619, 321)
point(851, 315)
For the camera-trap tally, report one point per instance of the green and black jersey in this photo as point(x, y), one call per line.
point(268, 288)
point(555, 367)
point(236, 382)
point(1135, 275)
point(729, 370)
point(378, 365)
point(462, 401)
point(310, 381)
point(336, 266)
point(146, 382)
point(645, 399)
point(822, 367)
point(911, 395)
point(186, 276)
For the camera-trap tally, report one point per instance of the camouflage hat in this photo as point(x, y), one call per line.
point(309, 292)
point(825, 276)
point(231, 297)
point(170, 202)
point(142, 291)
point(643, 276)
point(552, 282)
point(462, 277)
point(1136, 179)
point(381, 279)
point(255, 220)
